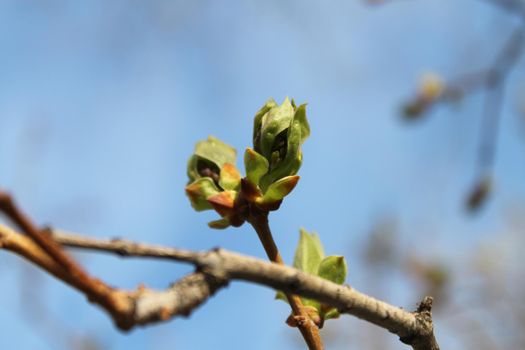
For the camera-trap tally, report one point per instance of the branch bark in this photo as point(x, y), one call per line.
point(138, 307)
point(215, 269)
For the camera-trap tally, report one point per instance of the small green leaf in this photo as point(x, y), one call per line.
point(281, 296)
point(223, 202)
point(256, 165)
point(309, 257)
point(210, 154)
point(331, 313)
point(257, 121)
point(333, 268)
point(219, 224)
point(300, 118)
point(280, 189)
point(311, 302)
point(230, 178)
point(309, 253)
point(199, 191)
point(215, 150)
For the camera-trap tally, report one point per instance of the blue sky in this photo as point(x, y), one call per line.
point(101, 104)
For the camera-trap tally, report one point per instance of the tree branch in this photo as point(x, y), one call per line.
point(139, 307)
point(215, 269)
point(44, 250)
point(413, 328)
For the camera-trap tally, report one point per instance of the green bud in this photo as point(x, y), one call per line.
point(214, 181)
point(480, 193)
point(279, 132)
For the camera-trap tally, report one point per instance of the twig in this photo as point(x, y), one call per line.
point(492, 80)
point(142, 306)
point(515, 7)
point(94, 289)
point(308, 328)
point(495, 82)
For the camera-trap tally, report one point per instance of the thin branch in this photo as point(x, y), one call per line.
point(122, 247)
point(413, 328)
point(495, 82)
point(515, 7)
point(141, 306)
point(492, 80)
point(308, 328)
point(62, 265)
point(495, 74)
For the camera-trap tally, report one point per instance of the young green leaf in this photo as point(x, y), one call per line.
point(209, 157)
point(216, 151)
point(199, 191)
point(219, 224)
point(256, 165)
point(230, 179)
point(300, 118)
point(308, 256)
point(309, 253)
point(281, 296)
point(330, 313)
point(257, 121)
point(333, 268)
point(280, 189)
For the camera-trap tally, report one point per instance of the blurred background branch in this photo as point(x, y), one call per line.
point(492, 80)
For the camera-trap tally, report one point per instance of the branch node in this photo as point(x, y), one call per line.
point(423, 337)
point(211, 264)
point(425, 305)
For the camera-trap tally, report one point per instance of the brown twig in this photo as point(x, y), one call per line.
point(62, 265)
point(309, 330)
point(139, 307)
